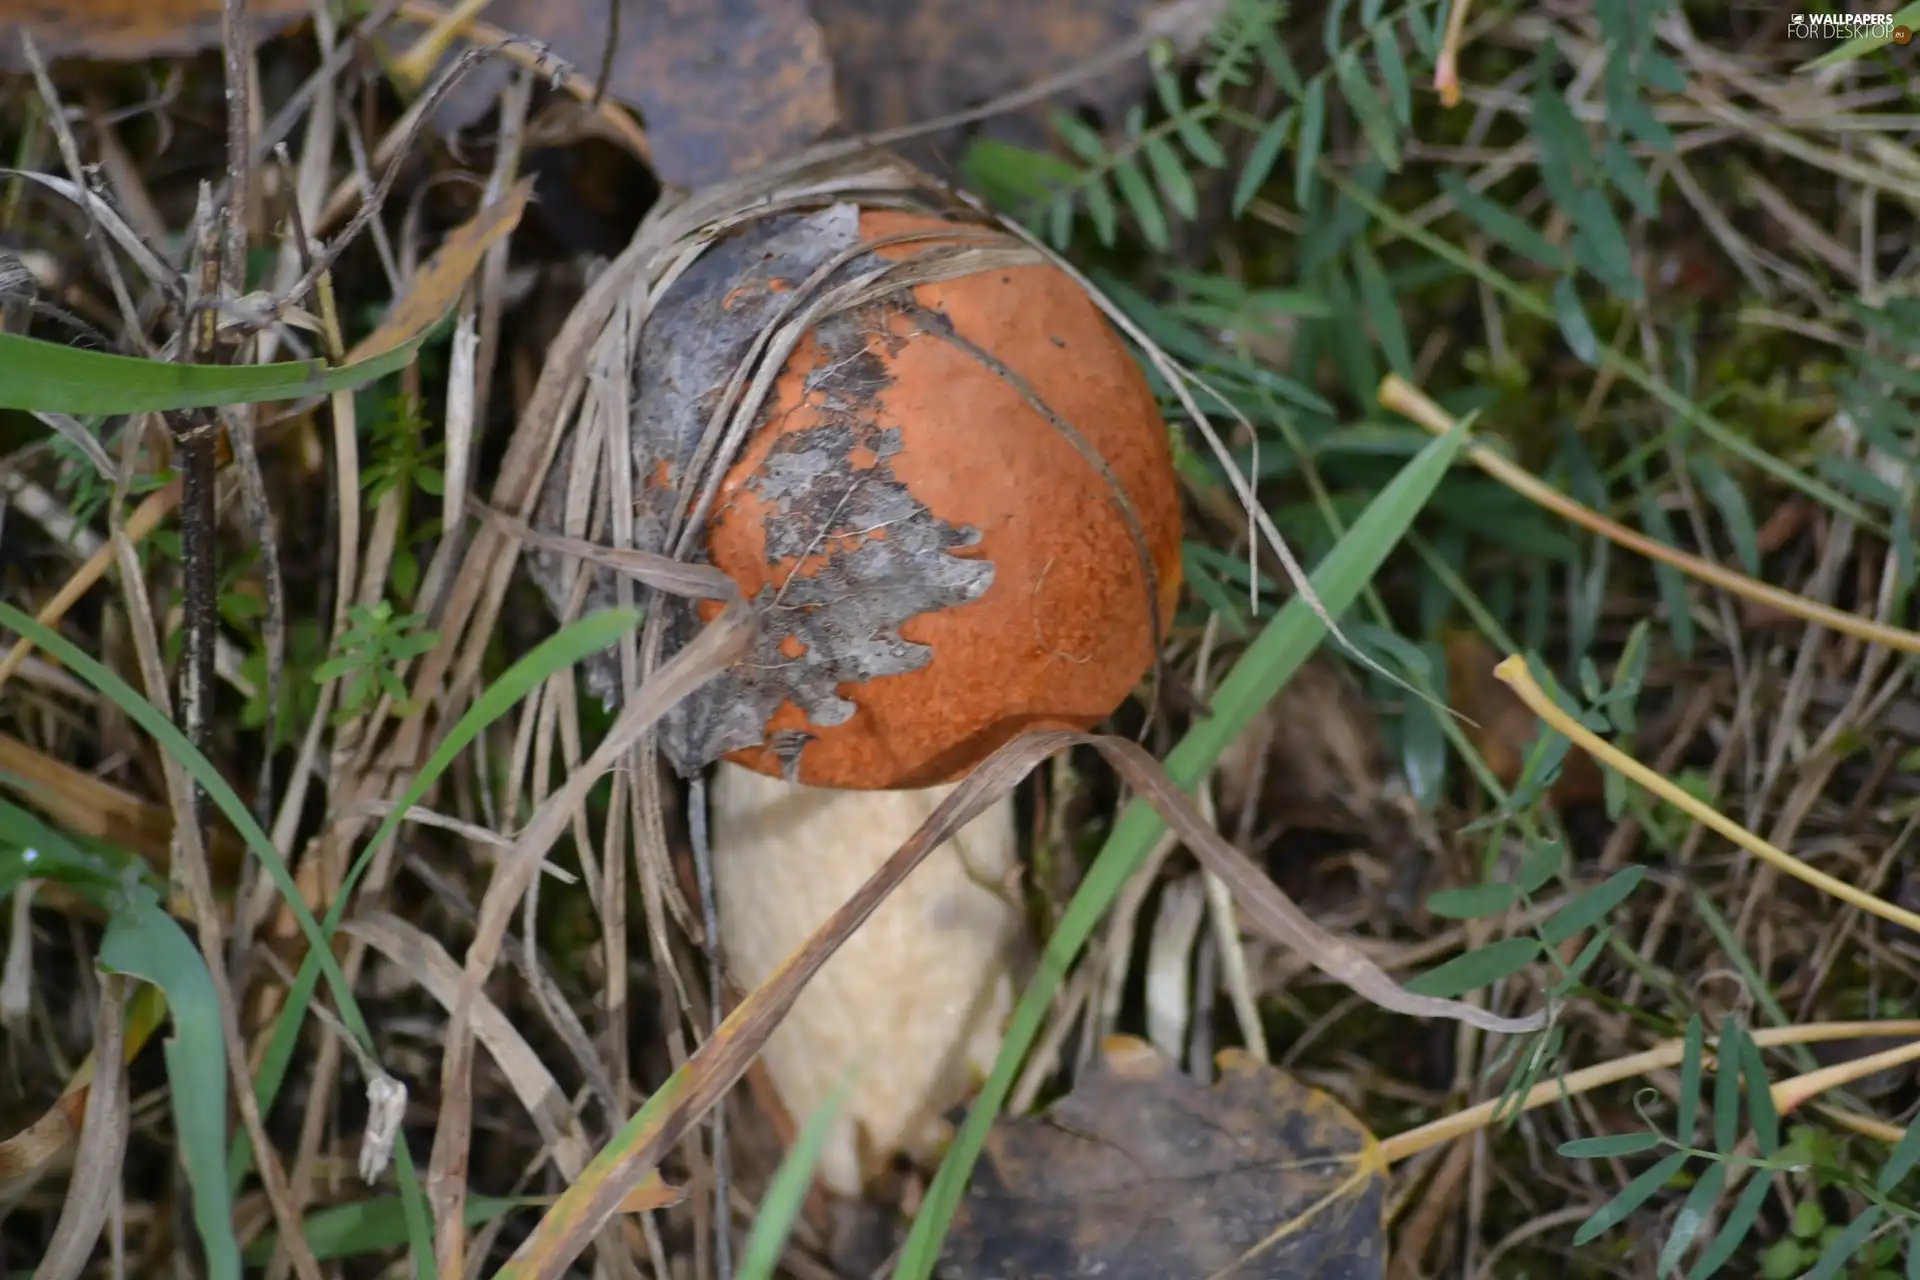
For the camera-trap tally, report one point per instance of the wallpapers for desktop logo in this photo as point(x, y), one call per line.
point(1847, 26)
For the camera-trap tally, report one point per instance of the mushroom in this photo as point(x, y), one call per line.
point(953, 507)
point(943, 484)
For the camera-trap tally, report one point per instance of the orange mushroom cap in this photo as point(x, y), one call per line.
point(952, 422)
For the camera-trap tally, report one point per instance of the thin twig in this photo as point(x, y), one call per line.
point(716, 996)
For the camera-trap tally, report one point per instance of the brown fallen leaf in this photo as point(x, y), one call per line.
point(128, 30)
point(1503, 730)
point(1314, 758)
point(724, 85)
point(899, 64)
point(1140, 1173)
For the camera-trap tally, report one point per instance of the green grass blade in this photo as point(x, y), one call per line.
point(1609, 1146)
point(54, 378)
point(1286, 642)
point(175, 744)
point(788, 1190)
point(144, 942)
point(1692, 1062)
point(1734, 1231)
point(365, 1227)
point(1261, 159)
point(558, 652)
point(1841, 1248)
point(30, 849)
point(1694, 1216)
point(1525, 299)
point(1481, 967)
point(1905, 1155)
point(1631, 1197)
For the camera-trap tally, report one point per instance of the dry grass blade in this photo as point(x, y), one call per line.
point(33, 1151)
point(427, 962)
point(1513, 672)
point(438, 285)
point(145, 519)
point(690, 581)
point(1790, 1094)
point(103, 1146)
point(422, 958)
point(718, 647)
point(1402, 397)
point(725, 1058)
point(108, 219)
point(84, 805)
point(1271, 911)
point(1665, 1055)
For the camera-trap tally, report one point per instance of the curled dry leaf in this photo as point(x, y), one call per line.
point(128, 30)
point(920, 451)
point(724, 85)
point(1141, 1173)
point(46, 1144)
point(1314, 758)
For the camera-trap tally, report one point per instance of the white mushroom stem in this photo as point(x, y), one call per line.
point(915, 1002)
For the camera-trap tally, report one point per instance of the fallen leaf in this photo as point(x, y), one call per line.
point(1502, 730)
point(723, 85)
point(730, 84)
point(1142, 1173)
point(1313, 758)
point(128, 30)
point(899, 64)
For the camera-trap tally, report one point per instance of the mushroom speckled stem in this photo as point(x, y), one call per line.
point(915, 1000)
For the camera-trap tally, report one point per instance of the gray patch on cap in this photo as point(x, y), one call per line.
point(890, 559)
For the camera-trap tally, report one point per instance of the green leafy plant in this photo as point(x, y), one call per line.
point(86, 491)
point(1812, 1246)
point(403, 462)
point(374, 644)
point(299, 691)
point(1147, 171)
